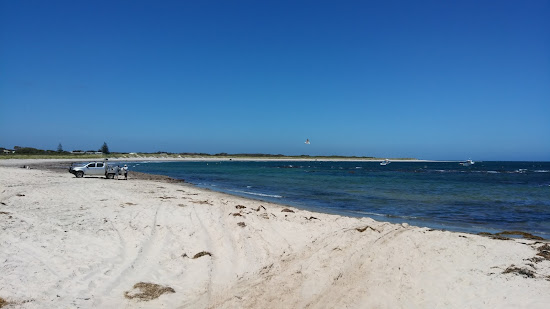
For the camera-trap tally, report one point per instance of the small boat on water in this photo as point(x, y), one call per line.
point(385, 162)
point(467, 163)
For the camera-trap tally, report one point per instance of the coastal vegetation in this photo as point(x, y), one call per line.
point(33, 153)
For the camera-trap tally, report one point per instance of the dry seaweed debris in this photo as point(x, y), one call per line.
point(544, 251)
point(166, 197)
point(198, 255)
point(361, 230)
point(3, 302)
point(240, 207)
point(520, 271)
point(202, 253)
point(148, 291)
point(511, 233)
point(287, 210)
point(205, 202)
point(520, 233)
point(241, 224)
point(493, 236)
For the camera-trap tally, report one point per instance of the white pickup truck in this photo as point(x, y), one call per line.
point(99, 168)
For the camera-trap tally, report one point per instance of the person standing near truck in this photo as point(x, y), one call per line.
point(125, 171)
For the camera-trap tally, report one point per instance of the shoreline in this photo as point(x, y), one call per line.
point(60, 165)
point(89, 242)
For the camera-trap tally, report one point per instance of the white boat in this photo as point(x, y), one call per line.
point(385, 162)
point(467, 163)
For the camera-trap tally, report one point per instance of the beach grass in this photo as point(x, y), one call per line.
point(175, 156)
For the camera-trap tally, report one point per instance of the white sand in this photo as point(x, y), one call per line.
point(82, 243)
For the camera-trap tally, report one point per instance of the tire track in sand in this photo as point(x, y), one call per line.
point(133, 265)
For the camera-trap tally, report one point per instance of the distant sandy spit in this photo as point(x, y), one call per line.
point(22, 162)
point(69, 242)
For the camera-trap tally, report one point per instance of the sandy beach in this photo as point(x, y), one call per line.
point(69, 242)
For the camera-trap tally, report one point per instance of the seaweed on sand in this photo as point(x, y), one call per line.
point(511, 233)
point(520, 233)
point(361, 230)
point(166, 197)
point(544, 251)
point(148, 291)
point(203, 253)
point(287, 210)
point(3, 302)
point(493, 236)
point(206, 202)
point(520, 271)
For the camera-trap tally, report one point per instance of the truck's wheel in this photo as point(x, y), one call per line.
point(110, 176)
point(79, 174)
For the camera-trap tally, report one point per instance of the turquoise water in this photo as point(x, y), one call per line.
point(487, 196)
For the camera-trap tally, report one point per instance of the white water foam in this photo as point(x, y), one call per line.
point(257, 194)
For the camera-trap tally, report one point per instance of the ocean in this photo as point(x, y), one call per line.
point(484, 197)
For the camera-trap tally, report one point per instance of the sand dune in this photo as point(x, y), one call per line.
point(97, 243)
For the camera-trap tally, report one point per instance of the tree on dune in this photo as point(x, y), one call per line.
point(104, 148)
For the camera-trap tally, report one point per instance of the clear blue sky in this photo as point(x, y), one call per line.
point(425, 79)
